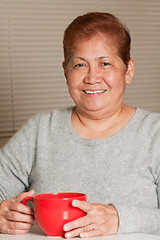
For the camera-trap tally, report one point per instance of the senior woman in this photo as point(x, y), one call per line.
point(100, 146)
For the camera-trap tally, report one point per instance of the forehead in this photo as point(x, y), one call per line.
point(98, 44)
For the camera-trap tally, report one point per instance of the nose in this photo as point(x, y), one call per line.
point(93, 76)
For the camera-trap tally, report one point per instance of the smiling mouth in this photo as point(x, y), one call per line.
point(94, 92)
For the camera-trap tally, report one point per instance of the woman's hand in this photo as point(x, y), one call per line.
point(16, 218)
point(100, 220)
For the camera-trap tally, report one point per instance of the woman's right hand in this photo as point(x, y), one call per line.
point(16, 218)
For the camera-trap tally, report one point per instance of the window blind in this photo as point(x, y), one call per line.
point(31, 75)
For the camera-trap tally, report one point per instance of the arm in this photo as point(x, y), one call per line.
point(16, 160)
point(118, 218)
point(103, 220)
point(138, 219)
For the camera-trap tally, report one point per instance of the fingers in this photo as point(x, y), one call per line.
point(16, 218)
point(84, 232)
point(94, 233)
point(100, 220)
point(19, 217)
point(15, 232)
point(90, 231)
point(16, 228)
point(83, 205)
point(74, 233)
point(23, 195)
point(19, 225)
point(81, 222)
point(13, 205)
point(18, 206)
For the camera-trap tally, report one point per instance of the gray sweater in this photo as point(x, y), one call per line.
point(124, 170)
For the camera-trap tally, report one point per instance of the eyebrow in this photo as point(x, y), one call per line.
point(102, 57)
point(83, 59)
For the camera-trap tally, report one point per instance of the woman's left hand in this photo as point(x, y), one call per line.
point(100, 220)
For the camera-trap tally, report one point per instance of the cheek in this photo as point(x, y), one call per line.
point(115, 80)
point(74, 79)
point(110, 79)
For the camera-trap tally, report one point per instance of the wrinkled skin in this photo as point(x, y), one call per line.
point(16, 218)
point(100, 220)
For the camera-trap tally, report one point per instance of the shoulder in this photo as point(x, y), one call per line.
point(56, 114)
point(147, 116)
point(59, 114)
point(50, 119)
point(43, 123)
point(148, 121)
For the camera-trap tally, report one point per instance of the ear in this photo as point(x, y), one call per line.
point(65, 71)
point(130, 71)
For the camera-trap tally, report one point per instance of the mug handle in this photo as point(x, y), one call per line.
point(25, 200)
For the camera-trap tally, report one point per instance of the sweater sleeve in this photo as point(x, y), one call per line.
point(141, 219)
point(16, 160)
point(133, 219)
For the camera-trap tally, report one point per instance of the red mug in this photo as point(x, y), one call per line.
point(53, 210)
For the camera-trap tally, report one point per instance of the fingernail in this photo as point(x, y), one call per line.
point(82, 235)
point(66, 227)
point(75, 203)
point(68, 235)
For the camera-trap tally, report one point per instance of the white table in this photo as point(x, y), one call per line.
point(36, 234)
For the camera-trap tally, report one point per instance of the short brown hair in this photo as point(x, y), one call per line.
point(87, 25)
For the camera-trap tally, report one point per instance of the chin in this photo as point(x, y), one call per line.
point(93, 109)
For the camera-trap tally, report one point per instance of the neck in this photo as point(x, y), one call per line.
point(101, 126)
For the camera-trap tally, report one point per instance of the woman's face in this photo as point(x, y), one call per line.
point(96, 76)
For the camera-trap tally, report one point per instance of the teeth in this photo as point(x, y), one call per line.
point(94, 92)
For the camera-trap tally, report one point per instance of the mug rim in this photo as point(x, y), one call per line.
point(59, 195)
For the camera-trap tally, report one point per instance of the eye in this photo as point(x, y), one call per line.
point(79, 65)
point(104, 64)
